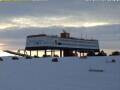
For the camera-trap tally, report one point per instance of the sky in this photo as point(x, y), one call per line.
point(91, 19)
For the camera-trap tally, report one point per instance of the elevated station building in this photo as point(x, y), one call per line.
point(64, 43)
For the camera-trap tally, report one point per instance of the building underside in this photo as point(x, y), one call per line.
point(63, 51)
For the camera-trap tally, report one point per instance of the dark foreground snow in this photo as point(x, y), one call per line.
point(70, 73)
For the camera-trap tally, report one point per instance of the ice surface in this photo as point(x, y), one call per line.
point(70, 73)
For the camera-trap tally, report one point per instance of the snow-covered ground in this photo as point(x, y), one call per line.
point(70, 73)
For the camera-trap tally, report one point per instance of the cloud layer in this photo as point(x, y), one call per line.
point(98, 20)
